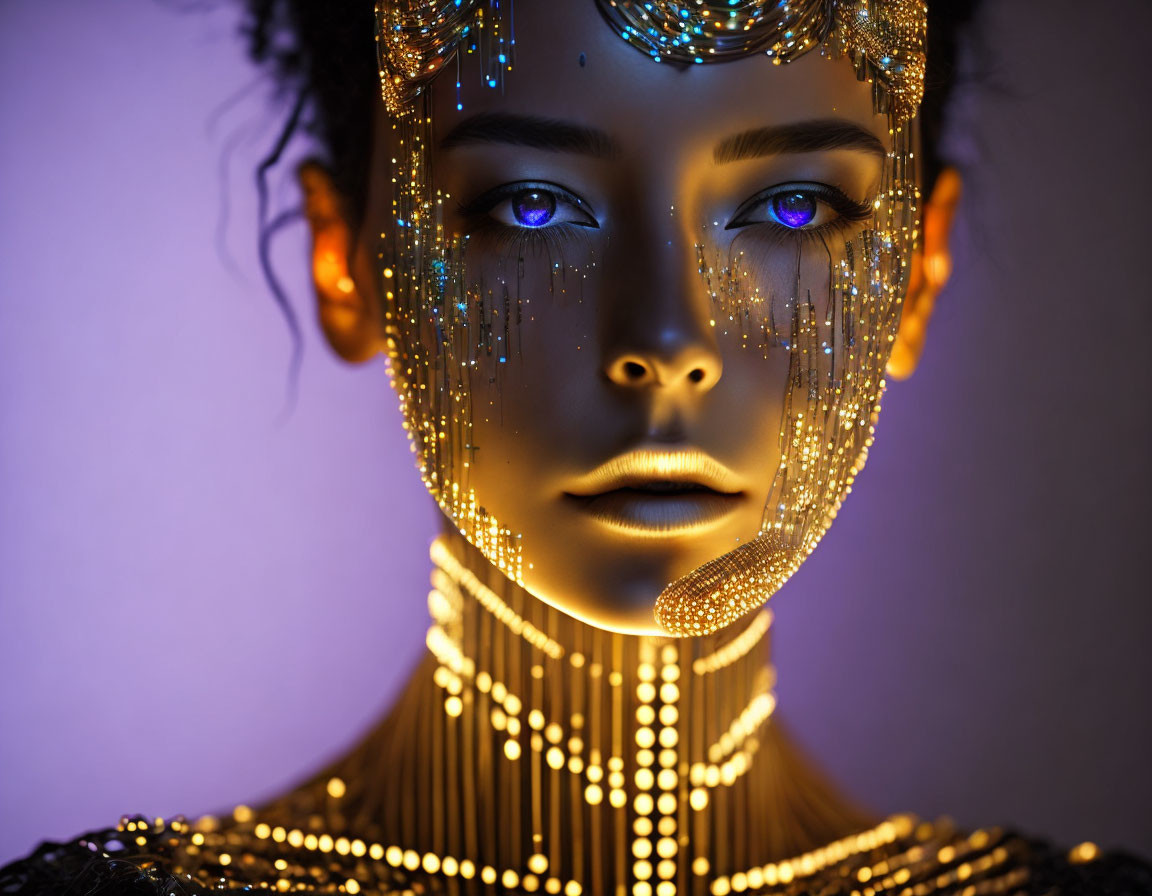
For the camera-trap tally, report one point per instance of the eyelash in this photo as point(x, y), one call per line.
point(551, 238)
point(848, 211)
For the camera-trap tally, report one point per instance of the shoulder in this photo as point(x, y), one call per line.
point(904, 856)
point(104, 862)
point(142, 857)
point(934, 858)
point(1084, 871)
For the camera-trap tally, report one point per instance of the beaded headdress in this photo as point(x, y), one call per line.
point(838, 332)
point(885, 40)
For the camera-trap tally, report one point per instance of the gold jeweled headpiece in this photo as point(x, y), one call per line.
point(884, 38)
point(838, 331)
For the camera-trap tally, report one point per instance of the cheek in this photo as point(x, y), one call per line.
point(758, 278)
point(534, 369)
point(745, 412)
point(532, 313)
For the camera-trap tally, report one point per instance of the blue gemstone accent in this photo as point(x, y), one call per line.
point(793, 210)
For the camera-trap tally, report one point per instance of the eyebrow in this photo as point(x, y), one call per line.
point(803, 136)
point(549, 134)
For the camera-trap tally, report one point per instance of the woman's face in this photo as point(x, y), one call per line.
point(627, 226)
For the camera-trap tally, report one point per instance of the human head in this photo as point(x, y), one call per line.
point(621, 345)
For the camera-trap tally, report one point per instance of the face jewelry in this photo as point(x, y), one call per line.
point(445, 326)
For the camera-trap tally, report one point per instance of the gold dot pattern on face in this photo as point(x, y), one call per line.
point(448, 326)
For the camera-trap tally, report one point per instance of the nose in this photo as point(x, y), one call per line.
point(685, 366)
point(657, 330)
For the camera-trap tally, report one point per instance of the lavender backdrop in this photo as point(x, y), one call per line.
point(200, 602)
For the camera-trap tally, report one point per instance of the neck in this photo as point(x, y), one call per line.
point(534, 751)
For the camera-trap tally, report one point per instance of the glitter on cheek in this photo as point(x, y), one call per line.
point(831, 299)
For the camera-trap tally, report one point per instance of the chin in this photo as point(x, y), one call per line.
point(612, 617)
point(614, 590)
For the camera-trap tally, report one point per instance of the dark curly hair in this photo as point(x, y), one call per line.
point(321, 55)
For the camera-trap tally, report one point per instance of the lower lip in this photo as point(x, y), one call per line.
point(636, 512)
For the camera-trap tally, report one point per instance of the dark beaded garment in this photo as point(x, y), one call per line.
point(145, 858)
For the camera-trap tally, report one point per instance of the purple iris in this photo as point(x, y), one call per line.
point(793, 209)
point(534, 208)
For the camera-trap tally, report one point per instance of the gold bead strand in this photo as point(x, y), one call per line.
point(537, 861)
point(613, 765)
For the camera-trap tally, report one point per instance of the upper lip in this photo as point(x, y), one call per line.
point(643, 467)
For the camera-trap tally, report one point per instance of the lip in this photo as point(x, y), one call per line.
point(657, 492)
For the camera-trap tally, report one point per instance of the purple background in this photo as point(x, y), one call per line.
point(201, 601)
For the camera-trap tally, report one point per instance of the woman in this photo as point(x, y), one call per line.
point(600, 327)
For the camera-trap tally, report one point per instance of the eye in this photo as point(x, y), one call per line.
point(801, 206)
point(531, 206)
point(793, 209)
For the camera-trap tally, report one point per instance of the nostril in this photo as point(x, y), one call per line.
point(634, 371)
point(696, 375)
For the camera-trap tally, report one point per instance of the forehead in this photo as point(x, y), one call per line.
point(569, 65)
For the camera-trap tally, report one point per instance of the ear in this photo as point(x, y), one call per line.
point(931, 268)
point(346, 302)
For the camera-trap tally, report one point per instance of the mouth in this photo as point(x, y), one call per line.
point(658, 493)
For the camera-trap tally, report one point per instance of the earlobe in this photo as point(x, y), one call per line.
point(346, 306)
point(931, 268)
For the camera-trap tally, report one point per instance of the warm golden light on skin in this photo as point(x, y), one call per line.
point(930, 271)
point(351, 322)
